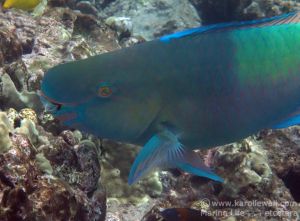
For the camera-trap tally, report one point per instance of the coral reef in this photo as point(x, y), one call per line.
point(10, 47)
point(5, 129)
point(34, 44)
point(38, 180)
point(150, 18)
point(229, 10)
point(75, 162)
point(153, 18)
point(115, 172)
point(122, 25)
point(259, 182)
point(62, 160)
point(49, 172)
point(29, 188)
point(283, 153)
point(253, 185)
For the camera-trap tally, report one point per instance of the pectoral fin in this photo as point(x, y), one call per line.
point(165, 151)
point(292, 120)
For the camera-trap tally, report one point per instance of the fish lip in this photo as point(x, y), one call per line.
point(49, 104)
point(52, 101)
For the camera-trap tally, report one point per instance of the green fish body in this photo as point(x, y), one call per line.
point(195, 89)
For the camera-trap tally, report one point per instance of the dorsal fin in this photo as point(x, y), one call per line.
point(290, 18)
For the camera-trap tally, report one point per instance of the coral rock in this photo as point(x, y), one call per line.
point(29, 114)
point(29, 191)
point(10, 46)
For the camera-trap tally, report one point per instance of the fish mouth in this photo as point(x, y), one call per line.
point(59, 110)
point(50, 105)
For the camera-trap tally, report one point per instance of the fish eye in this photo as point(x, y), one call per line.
point(105, 90)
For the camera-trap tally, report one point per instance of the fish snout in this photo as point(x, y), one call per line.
point(49, 105)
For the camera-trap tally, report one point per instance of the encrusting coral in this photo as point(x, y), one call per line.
point(30, 182)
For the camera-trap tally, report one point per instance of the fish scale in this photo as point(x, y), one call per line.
point(198, 88)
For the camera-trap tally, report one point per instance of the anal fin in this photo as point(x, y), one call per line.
point(164, 150)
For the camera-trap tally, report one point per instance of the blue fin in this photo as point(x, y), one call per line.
point(165, 151)
point(292, 17)
point(292, 121)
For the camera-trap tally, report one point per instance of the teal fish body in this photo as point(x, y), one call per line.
point(195, 89)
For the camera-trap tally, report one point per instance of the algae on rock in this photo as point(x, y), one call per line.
point(43, 164)
point(5, 129)
point(116, 164)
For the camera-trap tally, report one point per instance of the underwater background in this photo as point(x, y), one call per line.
point(51, 172)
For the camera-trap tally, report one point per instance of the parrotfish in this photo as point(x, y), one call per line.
point(198, 88)
point(21, 4)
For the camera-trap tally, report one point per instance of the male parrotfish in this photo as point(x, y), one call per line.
point(194, 89)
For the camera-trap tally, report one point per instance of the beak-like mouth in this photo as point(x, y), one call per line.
point(61, 111)
point(49, 104)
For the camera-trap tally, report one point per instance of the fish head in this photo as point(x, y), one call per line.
point(101, 98)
